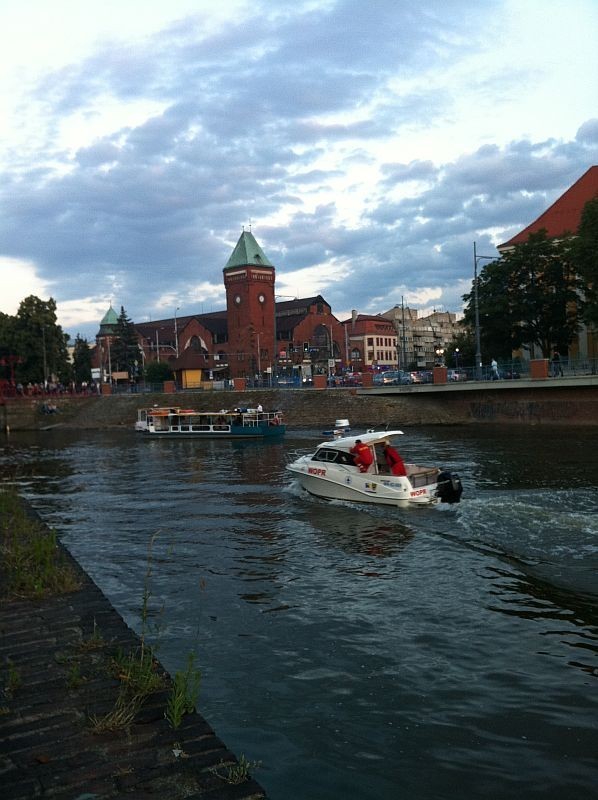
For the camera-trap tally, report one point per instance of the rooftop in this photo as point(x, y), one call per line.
point(564, 215)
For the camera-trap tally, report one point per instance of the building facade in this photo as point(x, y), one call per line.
point(563, 217)
point(254, 337)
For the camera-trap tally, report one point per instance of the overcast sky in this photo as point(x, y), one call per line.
point(367, 142)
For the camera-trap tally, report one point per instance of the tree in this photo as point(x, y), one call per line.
point(81, 360)
point(495, 312)
point(125, 345)
point(158, 372)
point(40, 342)
point(7, 335)
point(464, 342)
point(585, 256)
point(543, 293)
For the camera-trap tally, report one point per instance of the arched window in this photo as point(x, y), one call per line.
point(198, 345)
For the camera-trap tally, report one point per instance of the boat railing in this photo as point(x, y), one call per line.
point(254, 419)
point(421, 476)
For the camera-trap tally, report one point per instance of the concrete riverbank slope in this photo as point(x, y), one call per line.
point(550, 402)
point(73, 723)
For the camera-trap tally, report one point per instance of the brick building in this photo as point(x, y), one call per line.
point(255, 336)
point(561, 218)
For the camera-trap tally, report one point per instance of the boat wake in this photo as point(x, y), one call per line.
point(552, 535)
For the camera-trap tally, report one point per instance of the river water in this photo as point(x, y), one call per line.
point(356, 652)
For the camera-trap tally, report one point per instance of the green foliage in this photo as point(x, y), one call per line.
point(13, 679)
point(137, 671)
point(34, 565)
point(238, 772)
point(158, 372)
point(81, 360)
point(585, 254)
point(34, 336)
point(125, 346)
point(75, 678)
point(183, 692)
point(8, 335)
point(528, 297)
point(465, 341)
point(495, 314)
point(543, 293)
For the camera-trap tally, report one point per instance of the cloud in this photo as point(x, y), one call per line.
point(356, 138)
point(19, 279)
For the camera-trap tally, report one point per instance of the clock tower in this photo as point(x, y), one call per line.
point(250, 306)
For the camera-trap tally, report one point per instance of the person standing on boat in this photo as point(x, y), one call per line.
point(362, 455)
point(395, 463)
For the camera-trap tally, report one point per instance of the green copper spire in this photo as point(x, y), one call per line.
point(110, 317)
point(247, 252)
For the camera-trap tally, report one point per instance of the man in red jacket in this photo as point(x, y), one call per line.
point(362, 455)
point(393, 459)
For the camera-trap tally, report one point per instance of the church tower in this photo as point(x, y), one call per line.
point(250, 305)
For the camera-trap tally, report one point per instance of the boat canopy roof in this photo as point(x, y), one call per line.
point(370, 438)
point(187, 412)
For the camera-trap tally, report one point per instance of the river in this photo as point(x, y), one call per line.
point(356, 652)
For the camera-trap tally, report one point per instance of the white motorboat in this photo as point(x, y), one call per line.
point(341, 426)
point(330, 472)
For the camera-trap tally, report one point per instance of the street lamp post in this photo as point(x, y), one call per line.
point(476, 301)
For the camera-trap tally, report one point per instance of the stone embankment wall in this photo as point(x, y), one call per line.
point(314, 408)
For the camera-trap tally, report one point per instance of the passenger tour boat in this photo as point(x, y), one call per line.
point(330, 472)
point(240, 423)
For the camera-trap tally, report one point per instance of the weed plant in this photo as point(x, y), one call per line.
point(183, 693)
point(238, 772)
point(13, 680)
point(33, 564)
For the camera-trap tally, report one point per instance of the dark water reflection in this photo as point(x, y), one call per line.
point(357, 652)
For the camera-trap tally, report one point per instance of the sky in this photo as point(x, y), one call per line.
point(365, 143)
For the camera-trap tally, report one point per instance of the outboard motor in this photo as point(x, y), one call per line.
point(449, 488)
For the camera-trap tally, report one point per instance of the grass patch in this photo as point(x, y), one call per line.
point(75, 679)
point(121, 716)
point(183, 693)
point(33, 564)
point(238, 772)
point(137, 671)
point(13, 679)
point(94, 642)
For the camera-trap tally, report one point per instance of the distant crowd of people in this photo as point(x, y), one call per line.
point(55, 388)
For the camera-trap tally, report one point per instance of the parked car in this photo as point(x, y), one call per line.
point(392, 378)
point(456, 375)
point(353, 379)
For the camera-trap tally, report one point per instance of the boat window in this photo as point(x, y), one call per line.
point(329, 456)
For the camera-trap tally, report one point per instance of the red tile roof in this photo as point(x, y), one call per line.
point(564, 215)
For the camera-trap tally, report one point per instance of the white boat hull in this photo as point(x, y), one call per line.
point(332, 482)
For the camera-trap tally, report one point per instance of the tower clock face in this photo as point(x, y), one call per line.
point(237, 299)
point(261, 298)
